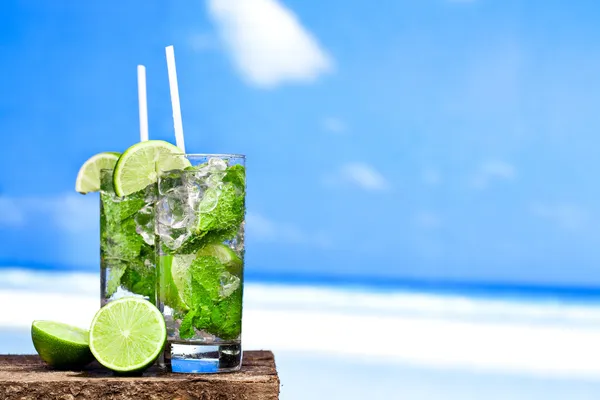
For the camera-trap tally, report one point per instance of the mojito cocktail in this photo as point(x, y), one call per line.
point(128, 195)
point(127, 252)
point(200, 262)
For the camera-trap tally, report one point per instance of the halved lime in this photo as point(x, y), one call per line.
point(137, 167)
point(60, 345)
point(128, 334)
point(180, 268)
point(88, 177)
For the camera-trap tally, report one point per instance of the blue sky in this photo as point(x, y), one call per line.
point(412, 139)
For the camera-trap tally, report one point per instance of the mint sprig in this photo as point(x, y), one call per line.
point(210, 310)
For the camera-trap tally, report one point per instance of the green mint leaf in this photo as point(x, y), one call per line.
point(191, 245)
point(123, 250)
point(217, 305)
point(222, 208)
point(140, 279)
point(121, 241)
point(228, 214)
point(220, 212)
point(186, 329)
point(200, 240)
point(226, 317)
point(119, 209)
point(115, 272)
point(206, 272)
point(236, 174)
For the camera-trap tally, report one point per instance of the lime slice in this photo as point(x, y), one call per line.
point(128, 334)
point(228, 258)
point(180, 271)
point(169, 294)
point(88, 178)
point(182, 279)
point(60, 345)
point(137, 166)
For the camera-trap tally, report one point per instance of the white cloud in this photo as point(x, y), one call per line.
point(493, 170)
point(333, 125)
point(265, 230)
point(268, 44)
point(42, 281)
point(566, 216)
point(362, 175)
point(68, 212)
point(70, 221)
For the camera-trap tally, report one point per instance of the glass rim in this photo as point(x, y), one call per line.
point(221, 155)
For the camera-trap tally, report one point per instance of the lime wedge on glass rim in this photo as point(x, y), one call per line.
point(137, 167)
point(60, 345)
point(128, 334)
point(88, 177)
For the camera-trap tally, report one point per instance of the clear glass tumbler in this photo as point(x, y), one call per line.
point(200, 215)
point(127, 251)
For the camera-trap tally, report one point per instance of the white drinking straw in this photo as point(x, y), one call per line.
point(177, 123)
point(143, 102)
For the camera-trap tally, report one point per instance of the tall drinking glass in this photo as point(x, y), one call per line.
point(200, 248)
point(127, 251)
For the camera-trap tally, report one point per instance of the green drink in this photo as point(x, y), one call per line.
point(172, 232)
point(200, 244)
point(127, 252)
point(128, 194)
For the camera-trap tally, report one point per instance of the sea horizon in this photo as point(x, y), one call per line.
point(470, 288)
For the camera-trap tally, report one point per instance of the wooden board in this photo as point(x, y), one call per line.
point(26, 377)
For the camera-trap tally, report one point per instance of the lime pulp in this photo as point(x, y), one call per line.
point(128, 334)
point(139, 165)
point(88, 177)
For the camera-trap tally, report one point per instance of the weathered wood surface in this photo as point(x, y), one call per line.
point(28, 378)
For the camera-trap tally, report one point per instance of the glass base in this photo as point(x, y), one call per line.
point(202, 358)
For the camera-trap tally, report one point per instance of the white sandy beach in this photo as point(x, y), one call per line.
point(410, 346)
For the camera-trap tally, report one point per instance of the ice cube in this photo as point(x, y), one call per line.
point(215, 180)
point(151, 194)
point(144, 221)
point(176, 212)
point(171, 237)
point(173, 209)
point(202, 171)
point(237, 243)
point(169, 181)
point(229, 284)
point(209, 200)
point(216, 164)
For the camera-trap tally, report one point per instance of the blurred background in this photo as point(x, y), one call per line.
point(422, 201)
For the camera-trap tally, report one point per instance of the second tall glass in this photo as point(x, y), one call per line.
point(200, 262)
point(127, 239)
